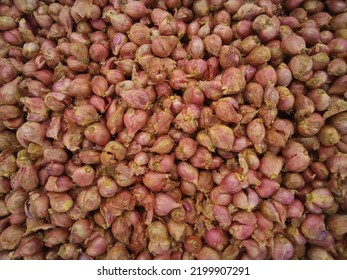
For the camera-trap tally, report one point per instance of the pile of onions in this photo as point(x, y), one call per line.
point(173, 129)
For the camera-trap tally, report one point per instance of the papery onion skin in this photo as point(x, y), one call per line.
point(158, 238)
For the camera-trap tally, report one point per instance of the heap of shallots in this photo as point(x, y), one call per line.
point(173, 129)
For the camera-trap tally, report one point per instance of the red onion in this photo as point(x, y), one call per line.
point(336, 164)
point(295, 209)
point(301, 67)
point(80, 231)
point(216, 238)
point(11, 236)
point(188, 172)
point(328, 135)
point(259, 55)
point(244, 28)
point(207, 253)
point(136, 10)
point(97, 246)
point(68, 251)
point(266, 75)
point(313, 227)
point(29, 245)
point(320, 54)
point(247, 11)
point(271, 165)
point(55, 237)
point(89, 200)
point(120, 229)
point(293, 44)
point(274, 211)
point(192, 244)
point(221, 136)
point(283, 196)
point(220, 196)
point(243, 226)
point(311, 125)
point(297, 158)
point(222, 215)
point(336, 224)
point(266, 27)
point(164, 204)
point(229, 56)
point(282, 248)
point(319, 198)
point(58, 184)
point(233, 86)
point(185, 149)
point(162, 46)
point(176, 230)
point(254, 250)
point(117, 252)
point(213, 44)
point(60, 202)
